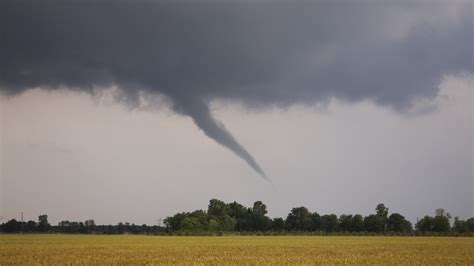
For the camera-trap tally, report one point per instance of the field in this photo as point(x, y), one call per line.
point(132, 249)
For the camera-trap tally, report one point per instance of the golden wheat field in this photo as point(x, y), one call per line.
point(132, 249)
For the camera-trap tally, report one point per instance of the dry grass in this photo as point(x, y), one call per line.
point(129, 249)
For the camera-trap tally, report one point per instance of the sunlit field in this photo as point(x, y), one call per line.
point(132, 249)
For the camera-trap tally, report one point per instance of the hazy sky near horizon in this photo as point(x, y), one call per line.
point(132, 111)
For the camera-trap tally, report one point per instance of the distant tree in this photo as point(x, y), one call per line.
point(213, 225)
point(12, 226)
point(299, 219)
point(425, 224)
point(441, 221)
point(317, 222)
point(90, 225)
point(43, 224)
point(460, 226)
point(278, 224)
point(242, 216)
point(202, 218)
point(382, 216)
point(172, 222)
point(330, 223)
point(470, 224)
point(110, 229)
point(217, 208)
point(259, 208)
point(75, 227)
point(407, 226)
point(191, 224)
point(382, 211)
point(121, 228)
point(65, 226)
point(397, 223)
point(357, 223)
point(345, 222)
point(371, 223)
point(226, 223)
point(237, 210)
point(83, 228)
point(30, 226)
point(259, 221)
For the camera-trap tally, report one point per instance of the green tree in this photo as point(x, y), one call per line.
point(65, 226)
point(226, 223)
point(242, 216)
point(90, 225)
point(460, 226)
point(330, 223)
point(441, 221)
point(217, 208)
point(278, 224)
point(259, 208)
point(30, 226)
point(257, 219)
point(12, 226)
point(397, 223)
point(214, 225)
point(470, 224)
point(357, 223)
point(382, 216)
point(345, 222)
point(191, 224)
point(173, 222)
point(237, 210)
point(299, 219)
point(425, 224)
point(317, 221)
point(83, 229)
point(43, 224)
point(202, 218)
point(371, 223)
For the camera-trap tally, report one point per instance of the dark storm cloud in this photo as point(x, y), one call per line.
point(257, 53)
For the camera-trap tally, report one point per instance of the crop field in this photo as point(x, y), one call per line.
point(133, 249)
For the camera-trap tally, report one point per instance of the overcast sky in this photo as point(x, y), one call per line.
point(134, 111)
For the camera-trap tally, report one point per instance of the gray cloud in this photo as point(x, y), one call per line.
point(257, 53)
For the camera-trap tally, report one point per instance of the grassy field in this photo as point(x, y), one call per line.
point(131, 249)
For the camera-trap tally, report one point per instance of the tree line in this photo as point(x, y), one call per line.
point(221, 216)
point(74, 227)
point(234, 217)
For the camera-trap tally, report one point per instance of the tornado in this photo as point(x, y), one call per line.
point(214, 129)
